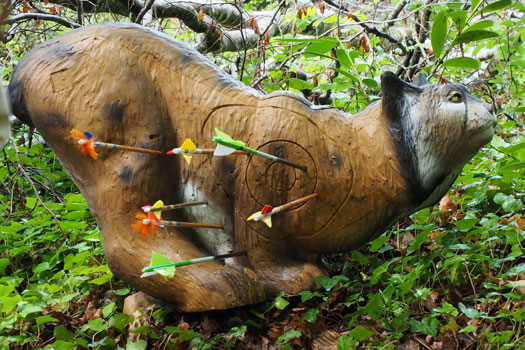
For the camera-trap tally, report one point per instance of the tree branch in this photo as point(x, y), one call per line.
point(42, 17)
point(144, 10)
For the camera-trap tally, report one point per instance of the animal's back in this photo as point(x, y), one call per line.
point(134, 58)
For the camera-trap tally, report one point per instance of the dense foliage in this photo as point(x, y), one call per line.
point(448, 277)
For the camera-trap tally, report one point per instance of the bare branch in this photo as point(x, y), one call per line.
point(144, 10)
point(42, 17)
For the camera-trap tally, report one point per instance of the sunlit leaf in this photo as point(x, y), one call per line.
point(463, 62)
point(438, 34)
point(474, 35)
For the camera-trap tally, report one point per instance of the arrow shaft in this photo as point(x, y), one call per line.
point(126, 148)
point(294, 203)
point(181, 151)
point(192, 261)
point(177, 206)
point(186, 224)
point(259, 153)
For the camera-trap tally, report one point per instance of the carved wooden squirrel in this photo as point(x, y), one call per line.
point(130, 85)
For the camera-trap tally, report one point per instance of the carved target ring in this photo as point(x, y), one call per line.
point(276, 183)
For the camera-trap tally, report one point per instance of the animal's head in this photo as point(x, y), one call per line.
point(439, 129)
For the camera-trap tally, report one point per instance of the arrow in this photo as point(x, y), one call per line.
point(87, 143)
point(265, 215)
point(162, 207)
point(188, 149)
point(144, 226)
point(163, 268)
point(161, 223)
point(227, 145)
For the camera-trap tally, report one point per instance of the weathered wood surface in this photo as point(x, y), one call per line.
point(128, 85)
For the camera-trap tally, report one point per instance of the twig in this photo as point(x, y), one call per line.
point(472, 285)
point(143, 12)
point(24, 174)
point(369, 29)
point(42, 17)
point(279, 8)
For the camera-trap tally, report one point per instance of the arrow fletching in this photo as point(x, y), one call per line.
point(225, 144)
point(188, 145)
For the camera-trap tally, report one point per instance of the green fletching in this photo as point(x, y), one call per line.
point(223, 135)
point(159, 259)
point(226, 139)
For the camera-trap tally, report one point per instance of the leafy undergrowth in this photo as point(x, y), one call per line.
point(448, 277)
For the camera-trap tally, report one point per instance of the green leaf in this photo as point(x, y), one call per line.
point(280, 303)
point(44, 319)
point(487, 23)
point(138, 345)
point(96, 325)
point(102, 279)
point(459, 18)
point(508, 203)
point(329, 282)
point(108, 309)
point(310, 315)
point(299, 84)
point(468, 329)
point(4, 262)
point(466, 224)
point(469, 312)
point(122, 291)
point(496, 6)
point(360, 333)
point(320, 47)
point(474, 35)
point(61, 333)
point(378, 242)
point(371, 83)
point(463, 62)
point(438, 35)
point(307, 295)
point(428, 326)
point(120, 321)
point(29, 309)
point(343, 57)
point(345, 342)
point(288, 336)
point(9, 303)
point(375, 306)
point(474, 4)
point(5, 290)
point(63, 345)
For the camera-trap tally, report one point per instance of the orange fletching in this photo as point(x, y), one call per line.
point(89, 145)
point(145, 230)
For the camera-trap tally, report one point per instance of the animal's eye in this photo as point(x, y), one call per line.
point(456, 97)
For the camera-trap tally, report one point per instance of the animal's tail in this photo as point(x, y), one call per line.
point(5, 112)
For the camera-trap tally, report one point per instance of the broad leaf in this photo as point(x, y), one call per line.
point(463, 62)
point(439, 33)
point(496, 6)
point(474, 35)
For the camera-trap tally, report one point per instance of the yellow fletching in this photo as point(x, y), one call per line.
point(188, 145)
point(253, 216)
point(157, 204)
point(268, 221)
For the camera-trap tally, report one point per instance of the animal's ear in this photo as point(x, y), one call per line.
point(396, 95)
point(420, 79)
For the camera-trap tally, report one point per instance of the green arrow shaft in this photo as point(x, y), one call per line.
point(258, 153)
point(191, 261)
